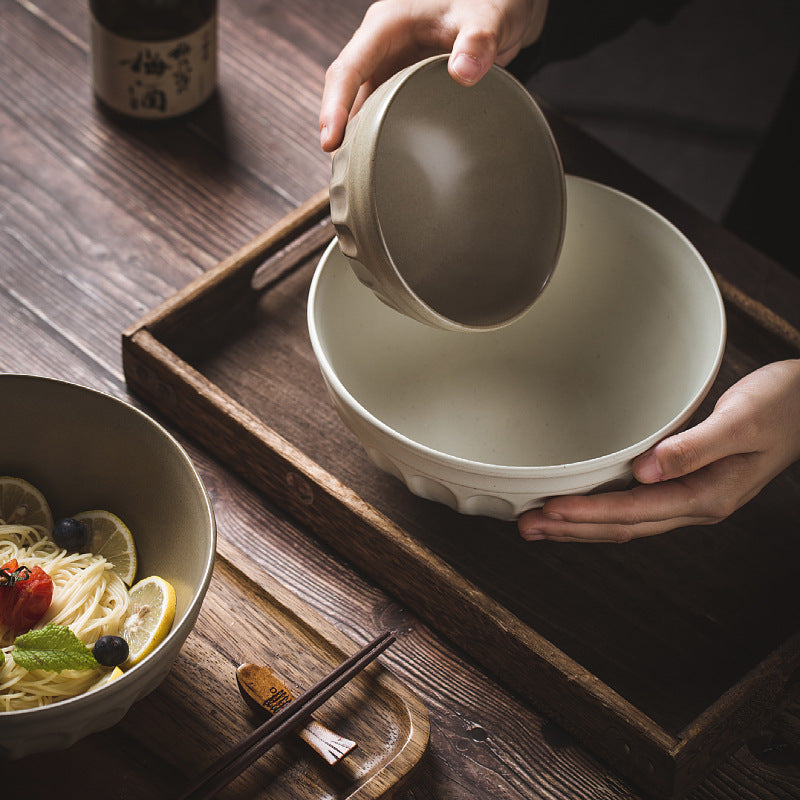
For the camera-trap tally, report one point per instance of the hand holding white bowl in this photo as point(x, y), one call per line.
point(697, 477)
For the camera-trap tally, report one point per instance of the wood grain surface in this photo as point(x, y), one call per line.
point(102, 222)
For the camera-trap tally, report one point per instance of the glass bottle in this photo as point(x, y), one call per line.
point(153, 59)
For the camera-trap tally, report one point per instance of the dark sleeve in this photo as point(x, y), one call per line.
point(573, 27)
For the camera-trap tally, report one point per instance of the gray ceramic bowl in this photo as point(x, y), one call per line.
point(449, 201)
point(618, 352)
point(84, 449)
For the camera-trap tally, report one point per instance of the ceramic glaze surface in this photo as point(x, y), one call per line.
point(85, 450)
point(450, 201)
point(620, 349)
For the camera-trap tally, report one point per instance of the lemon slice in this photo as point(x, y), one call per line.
point(106, 679)
point(150, 618)
point(21, 503)
point(110, 538)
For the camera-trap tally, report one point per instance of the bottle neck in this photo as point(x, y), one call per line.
point(152, 20)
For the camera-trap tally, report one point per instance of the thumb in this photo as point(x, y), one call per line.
point(686, 452)
point(474, 52)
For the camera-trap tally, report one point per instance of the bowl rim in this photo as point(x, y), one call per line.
point(514, 471)
point(184, 626)
point(503, 79)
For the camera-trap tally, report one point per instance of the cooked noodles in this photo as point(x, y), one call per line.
point(88, 596)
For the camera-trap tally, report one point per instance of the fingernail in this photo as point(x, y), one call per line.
point(323, 135)
point(533, 536)
point(466, 67)
point(554, 515)
point(647, 470)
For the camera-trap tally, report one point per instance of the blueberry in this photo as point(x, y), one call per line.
point(72, 535)
point(110, 651)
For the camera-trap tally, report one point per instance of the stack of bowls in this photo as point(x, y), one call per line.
point(435, 353)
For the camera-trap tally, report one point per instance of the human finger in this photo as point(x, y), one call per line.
point(639, 504)
point(491, 33)
point(598, 533)
point(475, 47)
point(382, 33)
point(703, 498)
point(536, 527)
point(620, 516)
point(723, 433)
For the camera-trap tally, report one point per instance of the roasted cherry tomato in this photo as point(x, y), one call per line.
point(25, 594)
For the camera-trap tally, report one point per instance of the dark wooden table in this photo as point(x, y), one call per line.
point(101, 222)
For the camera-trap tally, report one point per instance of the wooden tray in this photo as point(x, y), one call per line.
point(660, 656)
point(197, 713)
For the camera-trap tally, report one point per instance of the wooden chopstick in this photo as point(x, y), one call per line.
point(291, 717)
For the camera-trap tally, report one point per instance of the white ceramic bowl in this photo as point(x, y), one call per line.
point(83, 450)
point(618, 352)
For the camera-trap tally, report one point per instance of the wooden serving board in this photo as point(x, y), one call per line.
point(172, 735)
point(660, 656)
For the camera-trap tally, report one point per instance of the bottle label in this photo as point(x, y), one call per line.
point(154, 80)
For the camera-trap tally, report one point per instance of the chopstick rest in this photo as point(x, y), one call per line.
point(262, 688)
point(291, 717)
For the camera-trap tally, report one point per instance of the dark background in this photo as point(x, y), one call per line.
point(691, 101)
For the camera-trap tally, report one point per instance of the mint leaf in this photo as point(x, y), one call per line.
point(2, 658)
point(54, 648)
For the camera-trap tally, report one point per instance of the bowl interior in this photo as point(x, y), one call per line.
point(469, 194)
point(86, 450)
point(625, 341)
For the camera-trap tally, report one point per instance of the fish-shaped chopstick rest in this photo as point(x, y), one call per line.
point(260, 687)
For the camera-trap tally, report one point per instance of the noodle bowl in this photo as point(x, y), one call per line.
point(88, 597)
point(84, 449)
